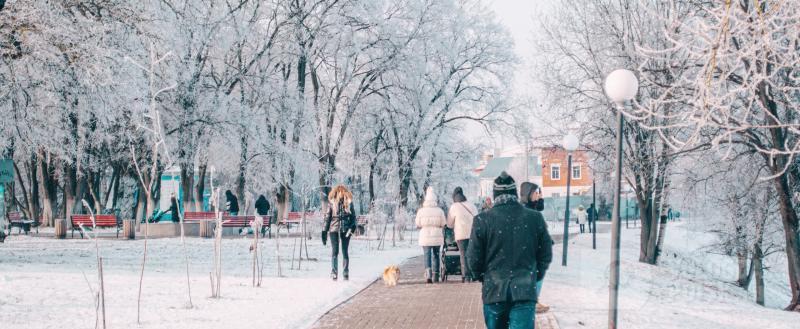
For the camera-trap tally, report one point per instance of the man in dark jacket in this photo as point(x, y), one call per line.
point(232, 203)
point(509, 250)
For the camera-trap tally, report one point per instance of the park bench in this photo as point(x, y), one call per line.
point(361, 224)
point(17, 219)
point(295, 218)
point(86, 220)
point(196, 216)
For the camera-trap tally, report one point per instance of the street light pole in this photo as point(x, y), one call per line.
point(593, 224)
point(570, 144)
point(620, 86)
point(615, 232)
point(566, 211)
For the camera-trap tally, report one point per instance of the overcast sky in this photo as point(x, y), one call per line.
point(518, 18)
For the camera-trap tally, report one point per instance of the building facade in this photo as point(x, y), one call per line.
point(555, 171)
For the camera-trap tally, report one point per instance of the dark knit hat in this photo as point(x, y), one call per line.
point(504, 184)
point(458, 195)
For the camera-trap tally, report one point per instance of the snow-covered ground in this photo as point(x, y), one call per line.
point(690, 288)
point(42, 283)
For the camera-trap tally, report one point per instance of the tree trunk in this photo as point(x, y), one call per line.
point(758, 257)
point(242, 179)
point(648, 231)
point(49, 188)
point(33, 202)
point(201, 186)
point(187, 184)
point(662, 230)
point(790, 229)
point(743, 279)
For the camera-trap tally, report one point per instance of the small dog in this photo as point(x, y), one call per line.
point(391, 275)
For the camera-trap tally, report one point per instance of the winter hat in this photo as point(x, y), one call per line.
point(430, 198)
point(504, 184)
point(458, 195)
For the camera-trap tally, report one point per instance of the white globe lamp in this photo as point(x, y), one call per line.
point(621, 86)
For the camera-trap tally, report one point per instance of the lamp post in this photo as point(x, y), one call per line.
point(570, 144)
point(620, 86)
point(593, 224)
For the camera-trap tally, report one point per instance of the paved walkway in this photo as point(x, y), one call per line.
point(414, 304)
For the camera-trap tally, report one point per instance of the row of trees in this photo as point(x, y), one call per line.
point(273, 94)
point(714, 75)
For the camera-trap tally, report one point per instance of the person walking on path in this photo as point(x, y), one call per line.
point(231, 203)
point(459, 218)
point(340, 223)
point(509, 251)
point(531, 198)
point(173, 209)
point(262, 209)
point(430, 220)
point(581, 213)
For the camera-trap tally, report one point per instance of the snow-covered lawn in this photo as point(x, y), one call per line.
point(689, 289)
point(42, 283)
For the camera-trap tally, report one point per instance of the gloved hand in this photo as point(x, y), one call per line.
point(324, 238)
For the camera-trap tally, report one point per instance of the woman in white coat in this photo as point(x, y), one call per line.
point(581, 217)
point(459, 218)
point(430, 221)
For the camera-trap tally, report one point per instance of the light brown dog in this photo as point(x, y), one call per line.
point(391, 275)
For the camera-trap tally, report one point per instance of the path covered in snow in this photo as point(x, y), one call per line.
point(42, 283)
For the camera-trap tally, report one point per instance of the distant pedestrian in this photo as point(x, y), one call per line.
point(173, 208)
point(487, 204)
point(669, 214)
point(592, 216)
point(509, 250)
point(262, 209)
point(231, 203)
point(430, 221)
point(531, 196)
point(459, 218)
point(581, 213)
point(340, 223)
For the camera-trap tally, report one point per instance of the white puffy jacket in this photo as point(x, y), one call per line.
point(459, 218)
point(430, 220)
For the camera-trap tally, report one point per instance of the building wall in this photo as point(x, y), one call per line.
point(556, 156)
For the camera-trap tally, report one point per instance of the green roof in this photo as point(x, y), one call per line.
point(495, 167)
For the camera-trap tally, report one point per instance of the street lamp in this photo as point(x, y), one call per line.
point(620, 87)
point(570, 144)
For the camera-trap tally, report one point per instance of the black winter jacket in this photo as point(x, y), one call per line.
point(342, 221)
point(262, 206)
point(509, 249)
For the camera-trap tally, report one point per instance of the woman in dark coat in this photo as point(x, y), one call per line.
point(340, 223)
point(262, 209)
point(173, 209)
point(232, 203)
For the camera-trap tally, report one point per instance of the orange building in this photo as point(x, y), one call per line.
point(554, 172)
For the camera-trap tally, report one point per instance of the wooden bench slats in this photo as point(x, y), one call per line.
point(199, 215)
point(86, 220)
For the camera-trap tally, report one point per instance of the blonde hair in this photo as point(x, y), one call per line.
point(340, 194)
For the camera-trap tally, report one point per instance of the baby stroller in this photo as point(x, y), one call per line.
point(451, 258)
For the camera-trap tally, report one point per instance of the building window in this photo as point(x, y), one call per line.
point(576, 171)
point(555, 172)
